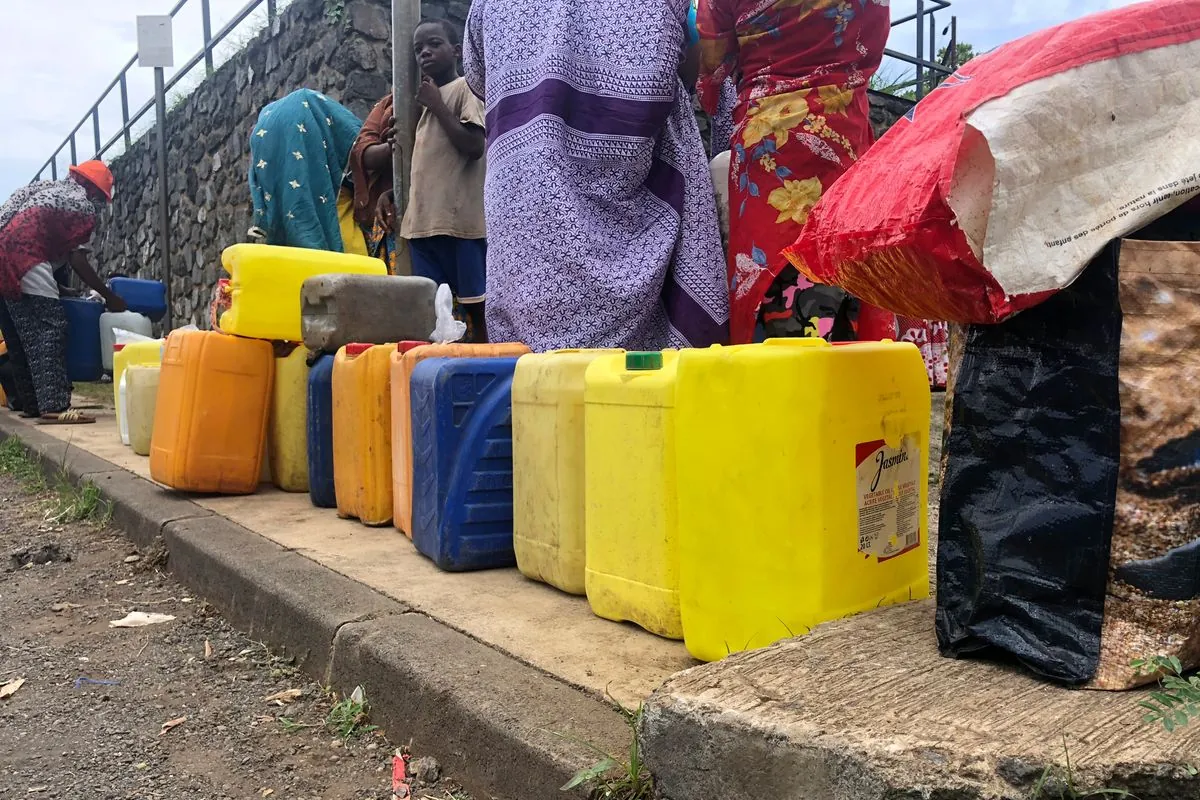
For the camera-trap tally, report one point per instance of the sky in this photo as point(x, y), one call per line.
point(57, 56)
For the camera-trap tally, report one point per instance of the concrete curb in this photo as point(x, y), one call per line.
point(486, 716)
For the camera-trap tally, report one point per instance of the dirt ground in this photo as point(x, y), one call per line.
point(89, 720)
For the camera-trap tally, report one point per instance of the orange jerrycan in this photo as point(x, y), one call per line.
point(362, 424)
point(210, 421)
point(403, 364)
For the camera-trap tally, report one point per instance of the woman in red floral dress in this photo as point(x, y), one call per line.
point(802, 119)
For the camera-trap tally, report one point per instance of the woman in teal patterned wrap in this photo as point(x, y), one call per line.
point(298, 154)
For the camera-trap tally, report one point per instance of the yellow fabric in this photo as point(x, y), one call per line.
point(353, 239)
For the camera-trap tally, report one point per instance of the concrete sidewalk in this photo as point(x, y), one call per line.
point(866, 709)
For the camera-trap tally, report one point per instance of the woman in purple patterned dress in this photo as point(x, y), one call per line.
point(602, 230)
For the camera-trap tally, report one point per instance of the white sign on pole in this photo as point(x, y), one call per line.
point(156, 47)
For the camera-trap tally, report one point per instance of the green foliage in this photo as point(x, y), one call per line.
point(17, 461)
point(349, 716)
point(335, 11)
point(1177, 701)
point(899, 79)
point(963, 50)
point(66, 502)
point(82, 503)
point(613, 778)
point(1058, 783)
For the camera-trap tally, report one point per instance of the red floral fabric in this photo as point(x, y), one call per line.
point(41, 222)
point(802, 119)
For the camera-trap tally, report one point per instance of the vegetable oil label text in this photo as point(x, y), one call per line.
point(889, 497)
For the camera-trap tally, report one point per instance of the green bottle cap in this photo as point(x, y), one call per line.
point(641, 362)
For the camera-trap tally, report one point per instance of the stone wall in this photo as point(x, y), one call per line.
point(886, 111)
point(208, 140)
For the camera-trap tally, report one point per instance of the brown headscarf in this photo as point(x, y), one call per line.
point(370, 186)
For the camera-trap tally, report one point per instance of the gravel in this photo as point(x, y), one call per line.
point(89, 720)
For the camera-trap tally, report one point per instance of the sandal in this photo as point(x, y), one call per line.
point(71, 416)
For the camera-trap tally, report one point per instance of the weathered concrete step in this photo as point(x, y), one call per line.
point(866, 709)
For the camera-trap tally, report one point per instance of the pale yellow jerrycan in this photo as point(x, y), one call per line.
point(803, 487)
point(548, 466)
point(125, 356)
point(141, 398)
point(287, 437)
point(631, 529)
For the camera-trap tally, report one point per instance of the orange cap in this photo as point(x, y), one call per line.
point(95, 173)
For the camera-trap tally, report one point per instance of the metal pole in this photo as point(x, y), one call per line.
point(954, 65)
point(74, 160)
point(125, 112)
point(935, 78)
point(206, 22)
point(53, 168)
point(164, 219)
point(920, 48)
point(96, 128)
point(406, 14)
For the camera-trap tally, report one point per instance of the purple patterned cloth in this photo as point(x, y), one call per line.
point(602, 229)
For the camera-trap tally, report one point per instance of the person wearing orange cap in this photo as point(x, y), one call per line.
point(43, 225)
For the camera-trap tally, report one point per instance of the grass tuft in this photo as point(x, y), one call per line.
point(612, 777)
point(65, 502)
point(349, 717)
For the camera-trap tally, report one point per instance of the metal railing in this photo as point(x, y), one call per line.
point(926, 21)
point(926, 68)
point(121, 82)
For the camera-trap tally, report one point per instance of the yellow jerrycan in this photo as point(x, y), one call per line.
point(631, 530)
point(802, 472)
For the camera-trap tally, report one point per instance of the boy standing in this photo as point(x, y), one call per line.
point(444, 220)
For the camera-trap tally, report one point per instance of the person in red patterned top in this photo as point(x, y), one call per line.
point(42, 226)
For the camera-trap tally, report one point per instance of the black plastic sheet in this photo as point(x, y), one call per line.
point(1031, 479)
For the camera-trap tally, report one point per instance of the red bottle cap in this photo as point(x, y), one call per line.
point(357, 349)
point(404, 347)
point(118, 348)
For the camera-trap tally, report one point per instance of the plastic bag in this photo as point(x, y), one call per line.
point(1070, 528)
point(447, 329)
point(1001, 186)
point(122, 336)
